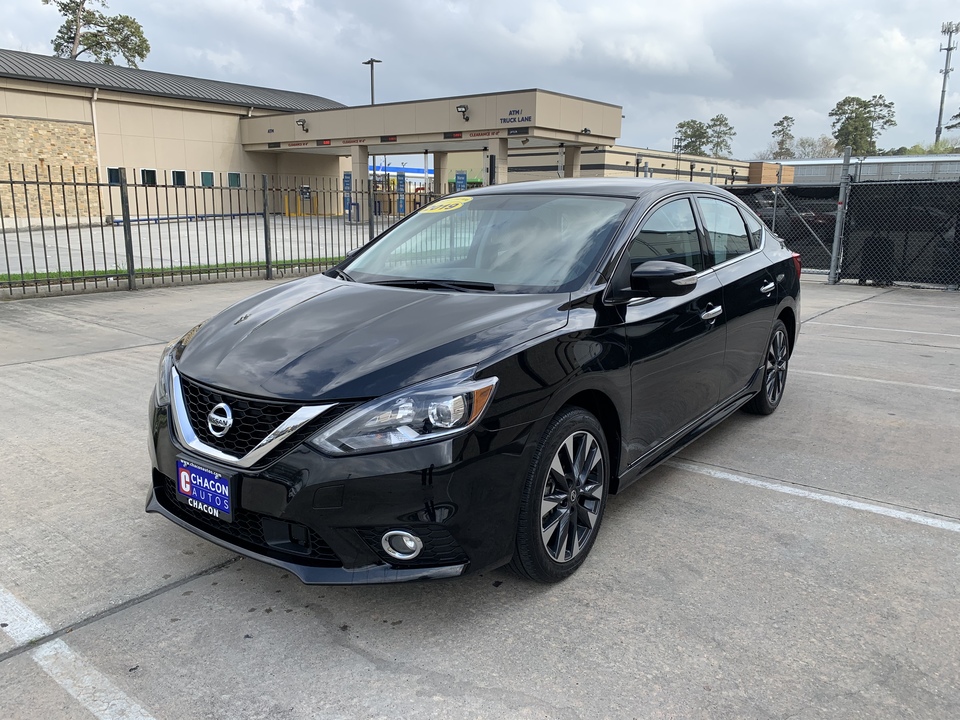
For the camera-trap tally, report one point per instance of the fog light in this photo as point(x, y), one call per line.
point(401, 544)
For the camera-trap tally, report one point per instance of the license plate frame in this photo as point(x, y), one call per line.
point(206, 490)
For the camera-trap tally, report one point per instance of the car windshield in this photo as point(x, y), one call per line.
point(501, 243)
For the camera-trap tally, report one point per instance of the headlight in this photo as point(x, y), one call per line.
point(166, 362)
point(430, 411)
point(163, 374)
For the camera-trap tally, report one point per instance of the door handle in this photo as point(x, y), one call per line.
point(712, 313)
point(768, 288)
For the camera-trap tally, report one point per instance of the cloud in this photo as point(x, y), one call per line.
point(752, 60)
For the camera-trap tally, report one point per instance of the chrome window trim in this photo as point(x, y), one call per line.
point(188, 438)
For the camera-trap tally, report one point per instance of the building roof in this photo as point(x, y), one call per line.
point(868, 160)
point(61, 71)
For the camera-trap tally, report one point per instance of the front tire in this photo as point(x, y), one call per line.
point(775, 366)
point(563, 498)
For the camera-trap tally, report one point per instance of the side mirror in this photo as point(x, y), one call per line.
point(661, 278)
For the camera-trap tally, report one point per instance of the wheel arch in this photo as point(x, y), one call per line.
point(789, 318)
point(598, 404)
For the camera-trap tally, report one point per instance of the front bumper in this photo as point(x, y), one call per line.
point(322, 518)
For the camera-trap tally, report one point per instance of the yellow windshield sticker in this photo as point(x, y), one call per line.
point(447, 205)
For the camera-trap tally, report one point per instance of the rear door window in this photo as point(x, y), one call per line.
point(725, 229)
point(755, 229)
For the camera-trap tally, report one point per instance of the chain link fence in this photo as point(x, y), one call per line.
point(902, 232)
point(893, 232)
point(71, 230)
point(805, 216)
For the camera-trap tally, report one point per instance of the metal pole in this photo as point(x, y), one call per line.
point(947, 29)
point(371, 62)
point(834, 278)
point(267, 250)
point(370, 208)
point(776, 193)
point(127, 231)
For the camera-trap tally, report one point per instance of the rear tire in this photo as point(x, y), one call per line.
point(775, 365)
point(563, 498)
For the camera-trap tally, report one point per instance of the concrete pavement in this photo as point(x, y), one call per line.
point(803, 565)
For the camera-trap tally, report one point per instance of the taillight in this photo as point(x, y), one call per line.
point(796, 263)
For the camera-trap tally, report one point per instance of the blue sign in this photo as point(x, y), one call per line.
point(401, 193)
point(204, 490)
point(347, 189)
point(460, 183)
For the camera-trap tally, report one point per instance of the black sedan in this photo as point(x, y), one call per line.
point(470, 388)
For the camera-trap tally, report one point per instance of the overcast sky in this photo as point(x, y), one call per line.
point(664, 61)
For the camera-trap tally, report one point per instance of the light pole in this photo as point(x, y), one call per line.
point(677, 148)
point(948, 29)
point(371, 62)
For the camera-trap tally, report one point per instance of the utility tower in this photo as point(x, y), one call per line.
point(949, 29)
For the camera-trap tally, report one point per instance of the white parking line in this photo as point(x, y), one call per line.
point(68, 668)
point(938, 388)
point(913, 305)
point(822, 497)
point(866, 327)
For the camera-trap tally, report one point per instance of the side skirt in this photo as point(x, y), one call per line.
point(672, 445)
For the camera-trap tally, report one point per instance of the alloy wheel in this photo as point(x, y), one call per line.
point(572, 496)
point(775, 376)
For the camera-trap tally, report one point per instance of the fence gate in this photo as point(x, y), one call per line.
point(805, 216)
point(902, 232)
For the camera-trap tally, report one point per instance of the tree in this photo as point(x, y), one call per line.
point(858, 122)
point(946, 146)
point(811, 147)
point(954, 122)
point(694, 136)
point(86, 30)
point(720, 133)
point(784, 138)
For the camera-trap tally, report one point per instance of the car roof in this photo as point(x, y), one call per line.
point(650, 188)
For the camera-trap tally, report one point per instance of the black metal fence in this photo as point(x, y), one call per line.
point(893, 232)
point(66, 230)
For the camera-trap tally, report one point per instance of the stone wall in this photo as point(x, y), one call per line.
point(40, 160)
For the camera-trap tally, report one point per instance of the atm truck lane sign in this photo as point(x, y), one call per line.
point(204, 490)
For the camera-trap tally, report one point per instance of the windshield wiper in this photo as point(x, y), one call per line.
point(426, 284)
point(341, 274)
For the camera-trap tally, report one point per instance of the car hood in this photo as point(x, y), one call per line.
point(319, 338)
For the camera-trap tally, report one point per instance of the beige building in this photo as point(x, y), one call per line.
point(73, 120)
point(88, 121)
point(58, 112)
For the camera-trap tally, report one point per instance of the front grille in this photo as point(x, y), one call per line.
point(439, 547)
point(246, 530)
point(253, 420)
